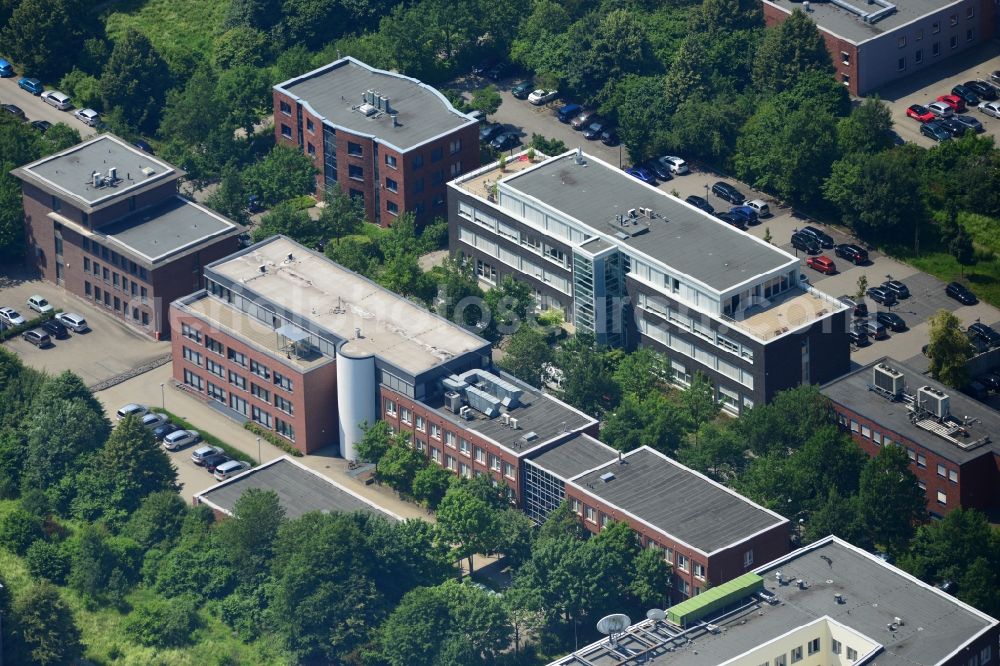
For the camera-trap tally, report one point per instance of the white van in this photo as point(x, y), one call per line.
point(759, 206)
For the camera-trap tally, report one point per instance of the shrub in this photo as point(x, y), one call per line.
point(161, 622)
point(48, 560)
point(282, 444)
point(18, 530)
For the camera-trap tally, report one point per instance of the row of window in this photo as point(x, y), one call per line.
point(512, 259)
point(118, 281)
point(236, 357)
point(238, 403)
point(115, 259)
point(235, 379)
point(119, 305)
point(812, 647)
point(880, 439)
point(918, 55)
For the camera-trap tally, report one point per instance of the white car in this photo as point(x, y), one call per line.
point(57, 99)
point(230, 469)
point(88, 116)
point(73, 321)
point(542, 96)
point(178, 439)
point(39, 304)
point(940, 109)
point(11, 317)
point(131, 409)
point(152, 420)
point(675, 164)
point(990, 108)
point(198, 455)
point(763, 210)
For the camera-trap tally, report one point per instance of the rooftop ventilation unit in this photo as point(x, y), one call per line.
point(529, 437)
point(453, 401)
point(147, 171)
point(368, 110)
point(506, 392)
point(454, 383)
point(607, 476)
point(934, 401)
point(465, 412)
point(888, 379)
point(483, 402)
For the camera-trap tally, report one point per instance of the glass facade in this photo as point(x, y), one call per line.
point(542, 492)
point(598, 287)
point(329, 155)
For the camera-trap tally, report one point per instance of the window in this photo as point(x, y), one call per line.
point(508, 470)
point(405, 415)
point(115, 280)
point(970, 11)
point(845, 57)
point(260, 392)
point(437, 177)
point(193, 380)
point(590, 514)
point(390, 161)
point(418, 161)
point(813, 646)
point(941, 470)
point(87, 288)
point(970, 35)
point(922, 485)
point(942, 498)
point(953, 19)
point(390, 407)
point(283, 405)
point(286, 131)
point(682, 562)
point(456, 169)
point(258, 415)
point(901, 64)
point(936, 27)
point(143, 294)
point(918, 57)
point(953, 42)
point(239, 381)
point(699, 570)
point(450, 463)
point(436, 431)
point(854, 425)
point(796, 654)
point(106, 274)
point(355, 172)
point(392, 207)
point(684, 587)
point(953, 475)
point(748, 558)
point(391, 185)
point(449, 438)
point(216, 393)
point(215, 368)
point(435, 455)
point(311, 149)
point(418, 185)
point(901, 42)
point(354, 149)
point(285, 107)
point(936, 48)
point(191, 356)
point(605, 521)
point(191, 333)
point(480, 456)
point(309, 126)
point(437, 154)
point(835, 646)
point(494, 463)
point(464, 471)
point(258, 369)
point(921, 461)
point(283, 382)
point(852, 654)
point(237, 358)
point(866, 432)
point(845, 79)
point(986, 654)
point(576, 505)
point(911, 453)
point(420, 423)
point(238, 404)
point(284, 429)
point(455, 146)
point(464, 446)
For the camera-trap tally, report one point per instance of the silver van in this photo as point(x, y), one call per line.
point(762, 208)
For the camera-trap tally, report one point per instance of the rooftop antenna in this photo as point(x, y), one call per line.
point(613, 626)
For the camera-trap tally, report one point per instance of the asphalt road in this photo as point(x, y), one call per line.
point(35, 109)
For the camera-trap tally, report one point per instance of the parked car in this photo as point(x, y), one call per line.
point(198, 455)
point(824, 239)
point(986, 333)
point(960, 293)
point(995, 76)
point(55, 328)
point(748, 214)
point(57, 99)
point(522, 89)
point(642, 173)
point(725, 191)
point(855, 254)
point(609, 137)
point(41, 125)
point(970, 123)
point(37, 337)
point(896, 287)
point(858, 335)
point(733, 220)
point(6, 69)
point(990, 109)
point(88, 117)
point(490, 131)
point(976, 390)
point(983, 89)
point(875, 330)
point(805, 242)
point(39, 304)
point(229, 469)
point(941, 109)
point(34, 86)
point(935, 130)
point(480, 68)
point(761, 208)
point(11, 317)
point(954, 128)
point(595, 130)
point(822, 264)
point(676, 165)
point(131, 409)
point(700, 202)
point(860, 309)
point(213, 461)
point(567, 112)
point(15, 111)
point(499, 71)
point(583, 119)
point(505, 141)
point(542, 96)
point(73, 322)
point(152, 420)
point(882, 296)
point(921, 113)
point(659, 169)
point(164, 429)
point(891, 320)
point(956, 103)
point(178, 439)
point(143, 146)
point(966, 94)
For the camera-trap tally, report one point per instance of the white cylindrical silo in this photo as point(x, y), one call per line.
point(357, 398)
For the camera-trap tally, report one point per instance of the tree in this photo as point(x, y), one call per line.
point(962, 249)
point(259, 14)
point(241, 45)
point(645, 421)
point(707, 130)
point(230, 198)
point(653, 576)
point(91, 562)
point(248, 538)
point(312, 23)
point(284, 173)
point(48, 561)
point(286, 220)
point(18, 530)
point(508, 302)
point(514, 534)
point(527, 354)
point(723, 16)
point(586, 384)
point(45, 628)
point(342, 215)
point(158, 520)
point(699, 401)
point(135, 79)
point(789, 49)
point(430, 485)
point(37, 26)
point(459, 297)
point(487, 100)
point(862, 287)
point(642, 372)
point(547, 146)
point(375, 443)
point(867, 130)
point(59, 432)
point(245, 92)
point(618, 45)
point(524, 608)
point(891, 501)
point(837, 515)
point(717, 451)
point(399, 467)
point(467, 521)
point(412, 634)
point(163, 623)
point(949, 350)
point(637, 102)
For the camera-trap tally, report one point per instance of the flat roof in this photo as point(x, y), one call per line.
point(300, 490)
point(68, 174)
point(334, 92)
point(168, 228)
point(852, 391)
point(682, 237)
point(342, 302)
point(576, 455)
point(934, 624)
point(677, 500)
point(850, 24)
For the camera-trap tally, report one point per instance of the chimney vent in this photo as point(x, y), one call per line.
point(357, 333)
point(113, 175)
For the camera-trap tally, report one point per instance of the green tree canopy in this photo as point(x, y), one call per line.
point(135, 79)
point(45, 629)
point(645, 421)
point(467, 521)
point(526, 355)
point(867, 130)
point(789, 49)
point(284, 173)
point(586, 382)
point(891, 501)
point(949, 350)
point(487, 100)
point(248, 538)
point(45, 36)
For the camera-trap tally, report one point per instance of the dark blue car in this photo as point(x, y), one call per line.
point(34, 86)
point(6, 69)
point(642, 173)
point(748, 214)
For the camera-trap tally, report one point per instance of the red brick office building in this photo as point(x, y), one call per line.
point(385, 138)
point(949, 437)
point(103, 219)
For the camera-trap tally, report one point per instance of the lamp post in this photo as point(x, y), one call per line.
point(163, 399)
point(259, 461)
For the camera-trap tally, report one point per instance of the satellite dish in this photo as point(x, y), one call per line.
point(613, 624)
point(656, 614)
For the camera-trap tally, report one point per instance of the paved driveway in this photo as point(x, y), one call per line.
point(36, 109)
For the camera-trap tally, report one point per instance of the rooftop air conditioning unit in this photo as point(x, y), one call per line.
point(888, 379)
point(453, 401)
point(934, 401)
point(465, 412)
point(367, 109)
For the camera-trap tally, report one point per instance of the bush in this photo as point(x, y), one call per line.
point(244, 611)
point(14, 331)
point(278, 441)
point(303, 202)
point(161, 622)
point(18, 530)
point(49, 561)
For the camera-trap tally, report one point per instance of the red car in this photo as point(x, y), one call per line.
point(921, 113)
point(822, 263)
point(956, 103)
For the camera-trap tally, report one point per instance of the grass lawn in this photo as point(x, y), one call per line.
point(181, 30)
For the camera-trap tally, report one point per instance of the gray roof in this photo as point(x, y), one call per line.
point(575, 455)
point(851, 26)
point(684, 238)
point(300, 490)
point(68, 174)
point(851, 391)
point(334, 92)
point(170, 227)
point(678, 501)
point(874, 594)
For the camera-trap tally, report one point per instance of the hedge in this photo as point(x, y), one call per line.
point(15, 331)
point(208, 438)
point(273, 438)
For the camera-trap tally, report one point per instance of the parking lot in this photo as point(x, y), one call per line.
point(35, 109)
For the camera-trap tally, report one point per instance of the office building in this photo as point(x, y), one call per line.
point(382, 137)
